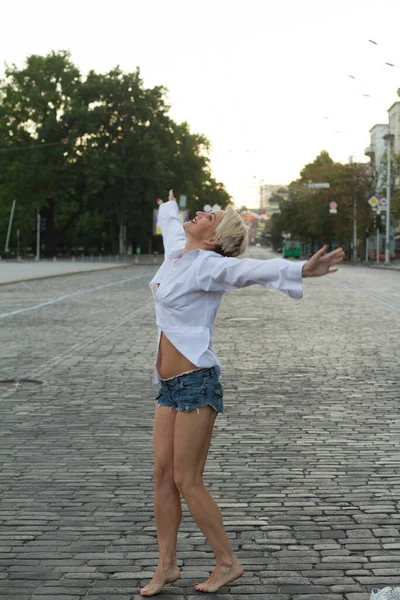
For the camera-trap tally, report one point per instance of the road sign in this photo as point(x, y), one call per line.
point(382, 203)
point(374, 202)
point(332, 205)
point(333, 211)
point(317, 186)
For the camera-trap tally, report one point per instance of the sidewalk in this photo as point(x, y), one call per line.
point(392, 267)
point(14, 271)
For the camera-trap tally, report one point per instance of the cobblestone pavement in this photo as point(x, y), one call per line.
point(304, 462)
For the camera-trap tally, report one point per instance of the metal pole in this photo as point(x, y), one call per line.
point(38, 235)
point(355, 230)
point(366, 250)
point(377, 246)
point(354, 214)
point(388, 192)
point(9, 226)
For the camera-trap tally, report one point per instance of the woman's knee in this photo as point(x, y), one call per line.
point(163, 474)
point(186, 482)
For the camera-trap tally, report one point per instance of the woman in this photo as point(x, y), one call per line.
point(199, 266)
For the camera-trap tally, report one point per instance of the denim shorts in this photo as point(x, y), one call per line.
point(192, 391)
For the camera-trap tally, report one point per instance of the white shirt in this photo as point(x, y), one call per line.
point(188, 289)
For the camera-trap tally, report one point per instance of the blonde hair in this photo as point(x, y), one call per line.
point(232, 235)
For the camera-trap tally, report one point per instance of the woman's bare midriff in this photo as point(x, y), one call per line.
point(170, 362)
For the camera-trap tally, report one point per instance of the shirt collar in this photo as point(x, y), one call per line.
point(178, 253)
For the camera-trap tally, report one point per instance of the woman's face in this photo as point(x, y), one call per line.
point(204, 224)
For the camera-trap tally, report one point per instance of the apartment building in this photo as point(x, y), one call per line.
point(377, 147)
point(266, 191)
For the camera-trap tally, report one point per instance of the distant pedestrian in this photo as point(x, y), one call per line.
point(200, 265)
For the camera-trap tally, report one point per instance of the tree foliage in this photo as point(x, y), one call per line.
point(92, 153)
point(306, 213)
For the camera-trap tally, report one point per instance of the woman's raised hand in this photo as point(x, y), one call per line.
point(321, 263)
point(170, 197)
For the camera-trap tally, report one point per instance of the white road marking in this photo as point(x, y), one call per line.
point(395, 307)
point(61, 298)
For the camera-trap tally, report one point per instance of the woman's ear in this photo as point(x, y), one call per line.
point(212, 242)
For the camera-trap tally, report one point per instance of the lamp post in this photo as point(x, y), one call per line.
point(388, 140)
point(354, 212)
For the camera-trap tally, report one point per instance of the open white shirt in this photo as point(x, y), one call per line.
point(188, 289)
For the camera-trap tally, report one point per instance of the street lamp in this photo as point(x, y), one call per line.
point(388, 140)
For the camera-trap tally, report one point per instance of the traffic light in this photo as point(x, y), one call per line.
point(43, 224)
point(378, 223)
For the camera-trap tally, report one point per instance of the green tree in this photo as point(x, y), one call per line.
point(306, 214)
point(93, 154)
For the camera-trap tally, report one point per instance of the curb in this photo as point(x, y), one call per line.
point(123, 266)
point(384, 267)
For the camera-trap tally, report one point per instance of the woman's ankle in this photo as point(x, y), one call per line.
point(167, 563)
point(226, 560)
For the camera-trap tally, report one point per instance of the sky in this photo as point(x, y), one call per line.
point(267, 81)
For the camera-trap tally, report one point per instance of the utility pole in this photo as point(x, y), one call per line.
point(9, 227)
point(388, 138)
point(377, 242)
point(38, 235)
point(354, 216)
point(355, 229)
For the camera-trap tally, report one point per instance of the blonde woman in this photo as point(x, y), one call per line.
point(200, 265)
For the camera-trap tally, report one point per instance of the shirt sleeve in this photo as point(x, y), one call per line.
point(218, 273)
point(171, 226)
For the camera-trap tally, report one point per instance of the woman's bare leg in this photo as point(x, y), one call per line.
point(193, 432)
point(167, 501)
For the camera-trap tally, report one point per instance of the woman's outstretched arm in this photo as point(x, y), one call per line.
point(174, 236)
point(215, 273)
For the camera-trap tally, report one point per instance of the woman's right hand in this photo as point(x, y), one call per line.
point(170, 197)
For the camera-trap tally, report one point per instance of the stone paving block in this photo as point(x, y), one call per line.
point(303, 589)
point(317, 596)
point(378, 581)
point(95, 596)
point(15, 595)
point(59, 596)
point(348, 587)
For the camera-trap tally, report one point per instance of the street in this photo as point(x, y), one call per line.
point(304, 462)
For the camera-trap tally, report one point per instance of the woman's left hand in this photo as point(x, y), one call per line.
point(321, 263)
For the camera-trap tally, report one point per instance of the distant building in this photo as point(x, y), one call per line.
point(377, 148)
point(266, 191)
point(376, 151)
point(394, 126)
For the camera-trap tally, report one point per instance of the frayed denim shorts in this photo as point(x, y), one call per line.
point(192, 391)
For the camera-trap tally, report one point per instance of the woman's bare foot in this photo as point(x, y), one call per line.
point(160, 578)
point(221, 576)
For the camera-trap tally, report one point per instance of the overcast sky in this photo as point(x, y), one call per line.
point(256, 76)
